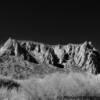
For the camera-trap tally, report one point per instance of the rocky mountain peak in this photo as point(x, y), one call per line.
point(72, 57)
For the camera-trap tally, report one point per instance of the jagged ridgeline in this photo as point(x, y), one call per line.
point(22, 59)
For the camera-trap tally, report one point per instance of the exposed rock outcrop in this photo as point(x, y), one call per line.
point(70, 57)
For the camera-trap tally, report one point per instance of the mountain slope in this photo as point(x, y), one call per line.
point(17, 57)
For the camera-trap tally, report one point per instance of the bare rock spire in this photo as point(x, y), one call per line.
point(7, 45)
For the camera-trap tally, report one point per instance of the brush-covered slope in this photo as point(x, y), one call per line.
point(56, 86)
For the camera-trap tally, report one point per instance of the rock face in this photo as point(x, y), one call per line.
point(70, 57)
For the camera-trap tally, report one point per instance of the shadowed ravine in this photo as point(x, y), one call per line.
point(36, 71)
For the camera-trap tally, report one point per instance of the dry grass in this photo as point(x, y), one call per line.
point(57, 86)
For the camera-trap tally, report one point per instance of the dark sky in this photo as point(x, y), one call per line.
point(49, 22)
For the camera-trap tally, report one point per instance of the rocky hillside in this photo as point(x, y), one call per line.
point(30, 57)
point(37, 71)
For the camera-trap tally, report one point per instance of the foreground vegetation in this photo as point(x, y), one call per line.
point(56, 86)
